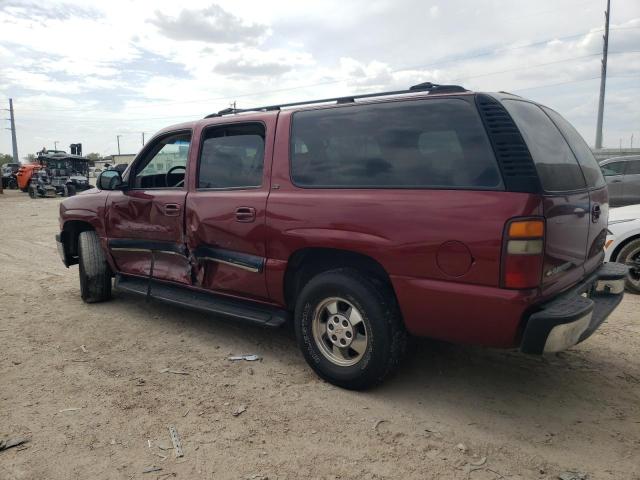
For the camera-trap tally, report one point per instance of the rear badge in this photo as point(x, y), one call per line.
point(558, 269)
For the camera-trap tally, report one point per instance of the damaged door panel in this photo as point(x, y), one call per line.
point(225, 214)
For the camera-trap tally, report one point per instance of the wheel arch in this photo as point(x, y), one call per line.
point(621, 245)
point(305, 263)
point(70, 232)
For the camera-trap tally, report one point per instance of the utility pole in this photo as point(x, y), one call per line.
point(603, 75)
point(143, 139)
point(14, 141)
point(118, 139)
point(55, 144)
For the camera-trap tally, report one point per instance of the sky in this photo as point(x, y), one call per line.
point(89, 71)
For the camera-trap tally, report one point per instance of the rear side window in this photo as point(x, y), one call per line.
point(614, 168)
point(416, 144)
point(232, 157)
point(584, 155)
point(557, 167)
point(633, 168)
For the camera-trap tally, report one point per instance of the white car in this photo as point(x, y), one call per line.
point(623, 242)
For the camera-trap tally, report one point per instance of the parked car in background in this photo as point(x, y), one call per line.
point(623, 179)
point(9, 179)
point(623, 242)
point(435, 211)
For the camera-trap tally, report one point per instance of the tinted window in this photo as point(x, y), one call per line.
point(633, 167)
point(164, 165)
point(232, 157)
point(614, 168)
point(581, 150)
point(557, 167)
point(416, 144)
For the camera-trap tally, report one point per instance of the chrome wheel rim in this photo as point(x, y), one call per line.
point(339, 331)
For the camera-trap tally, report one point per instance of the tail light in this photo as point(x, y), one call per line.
point(523, 253)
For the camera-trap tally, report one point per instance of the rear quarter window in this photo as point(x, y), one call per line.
point(557, 167)
point(584, 155)
point(410, 144)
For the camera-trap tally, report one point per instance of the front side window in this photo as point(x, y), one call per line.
point(613, 168)
point(411, 144)
point(557, 167)
point(232, 157)
point(165, 164)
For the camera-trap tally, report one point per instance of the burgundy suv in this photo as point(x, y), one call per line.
point(435, 211)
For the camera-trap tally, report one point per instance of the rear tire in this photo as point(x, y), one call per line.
point(95, 274)
point(33, 193)
point(630, 255)
point(367, 339)
point(70, 190)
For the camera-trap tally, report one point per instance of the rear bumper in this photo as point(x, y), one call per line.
point(573, 316)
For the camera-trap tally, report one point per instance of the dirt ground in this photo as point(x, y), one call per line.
point(452, 412)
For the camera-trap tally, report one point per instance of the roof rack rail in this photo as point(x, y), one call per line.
point(421, 87)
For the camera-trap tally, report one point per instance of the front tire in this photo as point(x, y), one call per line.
point(349, 329)
point(33, 193)
point(630, 255)
point(95, 274)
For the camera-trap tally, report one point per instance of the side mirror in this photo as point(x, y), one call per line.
point(110, 180)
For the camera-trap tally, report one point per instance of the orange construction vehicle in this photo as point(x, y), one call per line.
point(24, 174)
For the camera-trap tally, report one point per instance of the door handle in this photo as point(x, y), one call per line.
point(171, 209)
point(616, 181)
point(245, 214)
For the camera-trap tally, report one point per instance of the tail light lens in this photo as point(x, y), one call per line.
point(523, 253)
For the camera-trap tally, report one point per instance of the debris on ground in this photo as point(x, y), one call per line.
point(569, 475)
point(248, 358)
point(84, 349)
point(175, 439)
point(462, 447)
point(151, 469)
point(12, 442)
point(73, 409)
point(377, 424)
point(176, 372)
point(163, 446)
point(239, 410)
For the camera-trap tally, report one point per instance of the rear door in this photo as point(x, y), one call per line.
point(598, 193)
point(631, 183)
point(226, 209)
point(145, 221)
point(614, 176)
point(567, 201)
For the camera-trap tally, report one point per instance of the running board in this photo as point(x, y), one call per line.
point(254, 313)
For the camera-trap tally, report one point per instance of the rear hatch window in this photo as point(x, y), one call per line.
point(411, 144)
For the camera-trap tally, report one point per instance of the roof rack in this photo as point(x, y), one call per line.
point(421, 87)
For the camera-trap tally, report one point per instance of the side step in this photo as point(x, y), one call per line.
point(253, 313)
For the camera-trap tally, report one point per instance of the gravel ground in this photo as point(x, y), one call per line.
point(85, 384)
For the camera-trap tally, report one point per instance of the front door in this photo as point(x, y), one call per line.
point(225, 212)
point(144, 222)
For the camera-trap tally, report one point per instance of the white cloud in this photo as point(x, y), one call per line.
point(88, 70)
